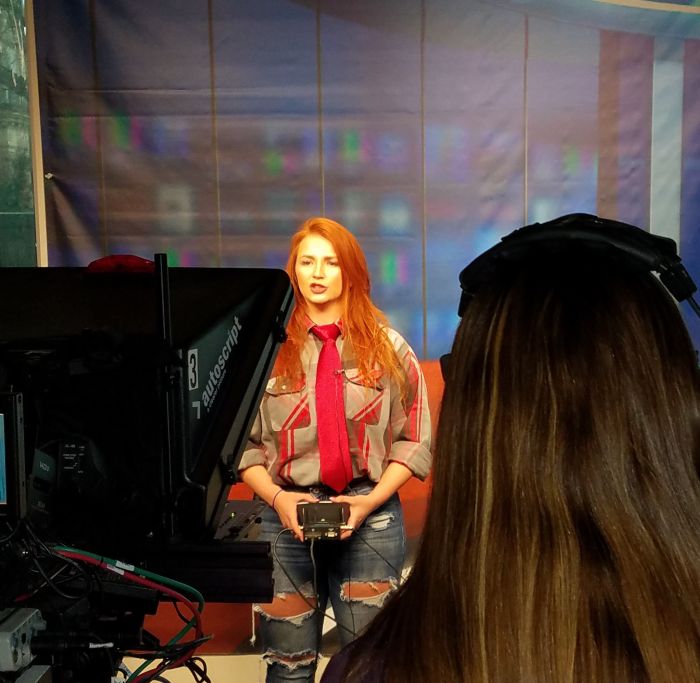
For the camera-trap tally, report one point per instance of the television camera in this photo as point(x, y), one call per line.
point(127, 392)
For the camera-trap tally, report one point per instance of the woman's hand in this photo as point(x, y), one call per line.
point(285, 505)
point(395, 476)
point(360, 507)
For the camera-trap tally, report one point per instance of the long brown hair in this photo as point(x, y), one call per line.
point(562, 541)
point(363, 323)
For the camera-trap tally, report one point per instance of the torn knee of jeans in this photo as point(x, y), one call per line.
point(292, 607)
point(374, 593)
point(380, 521)
point(290, 661)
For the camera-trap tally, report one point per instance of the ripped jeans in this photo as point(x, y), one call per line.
point(291, 642)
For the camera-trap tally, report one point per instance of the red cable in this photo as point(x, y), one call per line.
point(142, 581)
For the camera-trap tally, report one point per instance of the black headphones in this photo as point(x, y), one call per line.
point(634, 245)
point(629, 243)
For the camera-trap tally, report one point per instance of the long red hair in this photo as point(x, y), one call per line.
point(363, 323)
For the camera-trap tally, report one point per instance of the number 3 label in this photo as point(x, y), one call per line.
point(193, 369)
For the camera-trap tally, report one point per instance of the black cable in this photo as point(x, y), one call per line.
point(10, 536)
point(352, 614)
point(48, 581)
point(183, 618)
point(371, 547)
point(694, 305)
point(32, 547)
point(66, 561)
point(168, 651)
point(198, 668)
point(291, 580)
point(314, 568)
point(195, 665)
point(171, 657)
point(123, 669)
point(315, 608)
point(87, 577)
point(318, 600)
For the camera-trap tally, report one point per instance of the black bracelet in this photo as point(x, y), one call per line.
point(274, 498)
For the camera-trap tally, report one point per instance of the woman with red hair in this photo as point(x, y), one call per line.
point(344, 419)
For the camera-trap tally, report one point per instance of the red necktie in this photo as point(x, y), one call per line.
point(336, 468)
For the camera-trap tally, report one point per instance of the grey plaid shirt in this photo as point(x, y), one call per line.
point(382, 427)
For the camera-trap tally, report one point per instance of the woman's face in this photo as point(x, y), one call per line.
point(320, 278)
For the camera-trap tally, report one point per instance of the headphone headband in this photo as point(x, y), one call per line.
point(632, 244)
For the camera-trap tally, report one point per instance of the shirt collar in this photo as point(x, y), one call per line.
point(310, 323)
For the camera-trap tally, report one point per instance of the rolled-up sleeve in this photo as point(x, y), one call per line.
point(383, 426)
point(410, 417)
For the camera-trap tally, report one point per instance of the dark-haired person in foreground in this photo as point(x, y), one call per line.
point(562, 541)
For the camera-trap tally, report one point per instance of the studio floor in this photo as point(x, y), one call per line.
point(246, 666)
point(228, 669)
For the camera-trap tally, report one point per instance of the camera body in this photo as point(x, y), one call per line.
point(323, 519)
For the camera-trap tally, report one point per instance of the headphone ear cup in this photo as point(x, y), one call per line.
point(445, 365)
point(678, 281)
